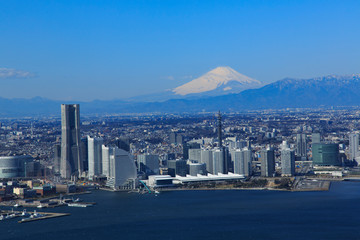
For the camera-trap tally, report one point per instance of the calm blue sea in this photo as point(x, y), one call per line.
point(191, 215)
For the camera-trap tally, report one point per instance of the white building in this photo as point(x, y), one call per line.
point(94, 156)
point(105, 159)
point(122, 170)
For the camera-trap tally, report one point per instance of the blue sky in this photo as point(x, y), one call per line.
point(85, 50)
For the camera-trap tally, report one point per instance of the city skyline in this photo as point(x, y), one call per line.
point(140, 47)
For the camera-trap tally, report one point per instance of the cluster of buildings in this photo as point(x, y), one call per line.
point(117, 151)
point(110, 162)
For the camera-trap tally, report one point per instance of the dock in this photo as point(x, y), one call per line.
point(41, 215)
point(46, 216)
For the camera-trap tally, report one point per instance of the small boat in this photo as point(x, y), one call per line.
point(17, 205)
point(40, 206)
point(24, 213)
point(157, 192)
point(9, 216)
point(78, 205)
point(76, 200)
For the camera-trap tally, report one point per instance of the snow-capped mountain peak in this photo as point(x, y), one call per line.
point(223, 79)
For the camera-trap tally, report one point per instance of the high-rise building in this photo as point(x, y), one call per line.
point(122, 173)
point(187, 146)
point(105, 159)
point(84, 153)
point(315, 138)
point(207, 158)
point(178, 167)
point(195, 154)
point(148, 163)
point(267, 162)
point(353, 145)
point(71, 162)
point(123, 143)
point(287, 162)
point(301, 146)
point(218, 161)
point(326, 154)
point(94, 156)
point(242, 161)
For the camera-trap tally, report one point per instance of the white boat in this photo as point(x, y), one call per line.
point(9, 216)
point(78, 205)
point(17, 205)
point(24, 213)
point(40, 206)
point(76, 200)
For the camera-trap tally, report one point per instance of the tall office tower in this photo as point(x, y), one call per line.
point(187, 146)
point(178, 167)
point(301, 146)
point(207, 158)
point(105, 159)
point(57, 158)
point(353, 145)
point(84, 153)
point(242, 161)
point(315, 138)
point(195, 154)
point(287, 162)
point(94, 156)
point(267, 162)
point(71, 162)
point(218, 161)
point(122, 173)
point(123, 143)
point(219, 129)
point(148, 163)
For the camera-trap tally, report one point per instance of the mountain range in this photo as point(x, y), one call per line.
point(332, 90)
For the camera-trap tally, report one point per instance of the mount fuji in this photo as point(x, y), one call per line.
point(219, 81)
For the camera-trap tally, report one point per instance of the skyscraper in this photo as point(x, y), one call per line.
point(71, 162)
point(218, 161)
point(94, 156)
point(207, 158)
point(267, 162)
point(287, 162)
point(242, 161)
point(353, 145)
point(301, 146)
point(105, 159)
point(122, 173)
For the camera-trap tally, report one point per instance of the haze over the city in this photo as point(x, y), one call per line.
point(86, 50)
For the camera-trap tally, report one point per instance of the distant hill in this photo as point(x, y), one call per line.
point(325, 91)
